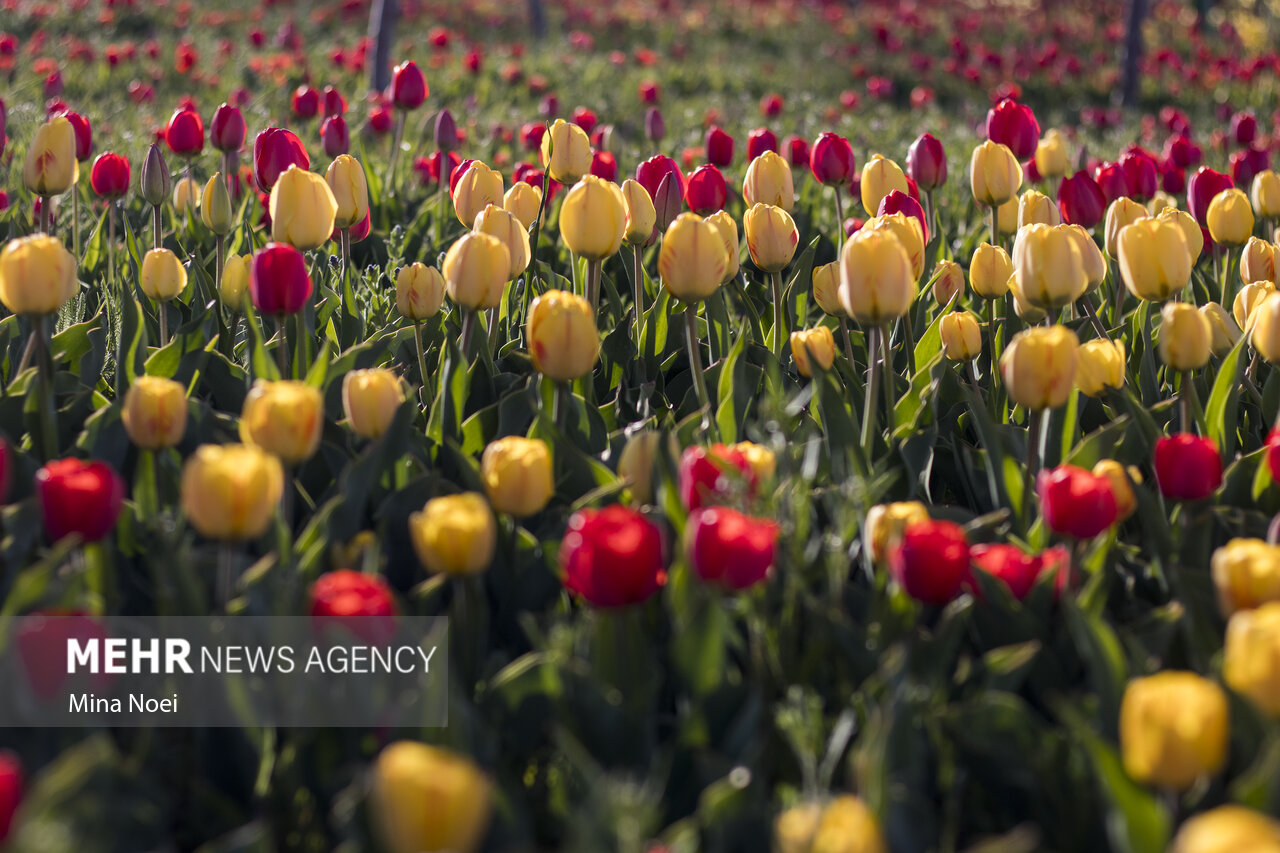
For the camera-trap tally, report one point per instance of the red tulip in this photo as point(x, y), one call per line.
point(274, 151)
point(831, 160)
point(1111, 181)
point(1172, 179)
point(931, 560)
point(438, 163)
point(604, 165)
point(109, 177)
point(11, 786)
point(380, 118)
point(706, 190)
point(612, 557)
point(549, 106)
point(1014, 125)
point(1019, 571)
point(585, 119)
point(1188, 467)
point(334, 103)
point(771, 106)
point(359, 231)
point(650, 173)
point(1273, 454)
point(305, 102)
point(84, 134)
point(731, 549)
point(759, 141)
point(185, 133)
point(655, 126)
point(456, 174)
point(719, 147)
point(531, 135)
point(1080, 201)
point(408, 86)
point(353, 601)
point(710, 474)
point(334, 137)
point(78, 497)
point(927, 162)
point(227, 129)
point(1076, 502)
point(649, 92)
point(797, 150)
point(1140, 173)
point(1182, 152)
point(1244, 128)
point(1247, 163)
point(1030, 174)
point(278, 280)
point(1175, 120)
point(896, 201)
point(1201, 189)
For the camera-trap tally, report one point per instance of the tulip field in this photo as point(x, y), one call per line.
point(846, 428)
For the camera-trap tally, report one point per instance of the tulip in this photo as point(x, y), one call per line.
point(37, 275)
point(408, 86)
point(566, 152)
point(1188, 467)
point(1122, 213)
point(1257, 261)
point(155, 412)
point(278, 280)
point(930, 560)
point(709, 475)
point(50, 167)
point(79, 498)
point(640, 214)
point(11, 777)
point(517, 475)
point(1244, 308)
point(429, 798)
point(1173, 729)
point(730, 549)
point(1265, 335)
point(355, 603)
point(446, 131)
point(1014, 125)
point(927, 163)
point(994, 174)
point(692, 261)
point(284, 418)
point(346, 181)
point(109, 177)
point(1017, 570)
point(761, 463)
point(1223, 331)
point(370, 400)
point(235, 281)
point(771, 237)
point(768, 181)
point(1121, 480)
point(593, 219)
point(876, 281)
point(817, 343)
point(523, 201)
point(186, 196)
point(948, 282)
point(826, 284)
point(1247, 163)
point(1100, 365)
point(759, 141)
point(990, 271)
point(275, 150)
point(1251, 660)
point(1034, 207)
point(1191, 231)
point(885, 524)
point(1226, 829)
point(475, 271)
point(1246, 574)
point(1076, 502)
point(155, 182)
point(1111, 181)
point(831, 160)
point(1081, 201)
point(303, 209)
point(1006, 217)
point(227, 129)
point(1030, 313)
point(705, 191)
point(1273, 457)
point(1230, 218)
point(185, 133)
point(419, 292)
point(335, 138)
point(454, 535)
point(497, 222)
point(1051, 156)
point(1205, 185)
point(476, 188)
point(1049, 267)
point(215, 206)
point(637, 463)
point(1265, 194)
point(845, 825)
point(1185, 337)
point(880, 176)
point(1039, 367)
point(719, 147)
point(1153, 256)
point(612, 557)
point(1095, 264)
point(961, 336)
point(163, 276)
point(563, 340)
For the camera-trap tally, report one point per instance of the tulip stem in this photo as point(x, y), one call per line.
point(1184, 400)
point(889, 391)
point(111, 245)
point(593, 285)
point(909, 338)
point(872, 398)
point(422, 354)
point(847, 339)
point(779, 315)
point(637, 269)
point(1092, 312)
point(157, 227)
point(1035, 423)
point(839, 222)
point(282, 350)
point(220, 248)
point(163, 316)
point(695, 362)
point(48, 412)
point(75, 221)
point(991, 220)
point(560, 404)
point(46, 214)
point(468, 331)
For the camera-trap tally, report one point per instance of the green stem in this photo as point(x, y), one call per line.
point(422, 354)
point(593, 285)
point(560, 405)
point(468, 331)
point(1034, 428)
point(163, 315)
point(779, 315)
point(886, 363)
point(695, 362)
point(839, 223)
point(909, 338)
point(157, 227)
point(48, 412)
point(282, 350)
point(846, 340)
point(637, 269)
point(75, 220)
point(395, 155)
point(1184, 400)
point(991, 222)
point(872, 398)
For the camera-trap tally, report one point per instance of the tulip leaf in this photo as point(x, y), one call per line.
point(1222, 410)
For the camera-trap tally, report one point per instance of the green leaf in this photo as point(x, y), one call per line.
point(1222, 410)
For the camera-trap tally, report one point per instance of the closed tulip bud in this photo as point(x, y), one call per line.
point(1081, 201)
point(719, 145)
point(655, 128)
point(475, 271)
point(227, 129)
point(727, 228)
point(706, 191)
point(215, 205)
point(1007, 217)
point(1140, 172)
point(1034, 207)
point(284, 418)
point(408, 86)
point(826, 289)
point(1251, 657)
point(1227, 829)
point(1223, 331)
point(302, 209)
point(1075, 502)
point(1230, 218)
point(768, 181)
point(948, 282)
point(1265, 194)
point(370, 399)
point(419, 292)
point(761, 463)
point(429, 798)
point(278, 280)
point(446, 131)
point(109, 176)
point(37, 275)
point(927, 162)
point(563, 339)
point(1191, 232)
point(692, 261)
point(517, 475)
point(1031, 314)
point(1154, 261)
point(637, 462)
point(771, 236)
point(994, 174)
point(185, 133)
point(1247, 302)
point(908, 232)
point(1258, 261)
point(930, 561)
point(230, 492)
point(899, 202)
point(274, 151)
point(1100, 365)
point(729, 549)
point(961, 337)
point(1051, 156)
point(880, 176)
point(50, 167)
point(1265, 335)
point(813, 346)
point(566, 152)
point(497, 222)
point(1205, 185)
point(846, 825)
point(1188, 467)
point(1039, 367)
point(1013, 124)
point(667, 202)
point(155, 181)
point(346, 181)
point(612, 557)
point(235, 281)
point(476, 188)
point(186, 196)
point(79, 498)
point(1122, 480)
point(523, 201)
point(1122, 212)
point(641, 216)
point(1184, 337)
point(155, 412)
point(1095, 264)
point(876, 284)
point(885, 524)
point(1160, 201)
point(163, 275)
point(1246, 574)
point(1049, 267)
point(454, 535)
point(831, 160)
point(593, 218)
point(990, 271)
point(1173, 729)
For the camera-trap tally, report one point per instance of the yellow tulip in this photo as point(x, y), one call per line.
point(1122, 480)
point(517, 475)
point(845, 825)
point(155, 412)
point(1223, 330)
point(1051, 155)
point(563, 339)
point(1247, 301)
point(1095, 264)
point(768, 181)
point(693, 260)
point(876, 284)
point(1034, 207)
point(426, 798)
point(593, 218)
point(230, 492)
point(1050, 270)
point(1160, 201)
point(566, 152)
point(727, 228)
point(302, 209)
point(826, 289)
point(760, 459)
point(1185, 337)
point(1228, 829)
point(50, 168)
point(1258, 261)
point(419, 292)
point(523, 201)
point(163, 275)
point(1033, 315)
point(885, 525)
point(1007, 217)
point(637, 462)
point(1246, 574)
point(994, 174)
point(1265, 335)
point(1154, 260)
point(1265, 194)
point(1039, 367)
point(880, 176)
point(1173, 729)
point(215, 206)
point(961, 336)
point(475, 271)
point(370, 400)
point(641, 215)
point(771, 236)
point(989, 271)
point(816, 343)
point(284, 418)
point(186, 196)
point(1230, 218)
point(346, 180)
point(498, 222)
point(948, 282)
point(1251, 661)
point(907, 230)
point(1100, 365)
point(454, 534)
point(235, 281)
point(477, 188)
point(1190, 229)
point(37, 275)
point(1122, 212)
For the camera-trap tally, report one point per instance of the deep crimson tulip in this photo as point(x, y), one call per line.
point(650, 173)
point(1244, 128)
point(1273, 453)
point(1080, 201)
point(655, 126)
point(278, 280)
point(1031, 174)
point(380, 118)
point(604, 165)
point(80, 498)
point(719, 146)
point(831, 160)
point(896, 201)
point(1014, 125)
point(931, 560)
point(1247, 163)
point(1201, 189)
point(305, 102)
point(1188, 467)
point(797, 150)
point(706, 190)
point(227, 128)
point(612, 557)
point(531, 135)
point(708, 474)
point(585, 119)
point(408, 86)
point(1182, 152)
point(441, 162)
point(185, 133)
point(760, 140)
point(1111, 180)
point(649, 92)
point(731, 549)
point(1175, 120)
point(334, 103)
point(359, 231)
point(472, 60)
point(1172, 179)
point(771, 106)
point(549, 106)
point(42, 640)
point(4, 201)
point(334, 136)
point(109, 176)
point(11, 788)
point(83, 132)
point(274, 151)
point(927, 162)
point(1140, 173)
point(355, 602)
point(1076, 502)
point(446, 131)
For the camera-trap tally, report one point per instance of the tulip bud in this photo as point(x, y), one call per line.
point(50, 167)
point(370, 399)
point(1173, 729)
point(335, 138)
point(990, 271)
point(1190, 231)
point(692, 261)
point(1121, 480)
point(771, 236)
point(637, 463)
point(1225, 829)
point(948, 282)
point(419, 292)
point(303, 209)
point(446, 131)
point(961, 336)
point(497, 222)
point(876, 281)
point(612, 557)
point(215, 206)
point(761, 463)
point(155, 412)
point(994, 174)
point(346, 181)
point(845, 824)
point(1080, 200)
point(930, 560)
point(1051, 156)
point(927, 163)
point(1007, 218)
point(706, 191)
point(1039, 367)
point(230, 492)
point(185, 133)
point(1100, 365)
point(109, 177)
point(475, 271)
point(711, 475)
point(1034, 207)
point(885, 524)
point(1049, 267)
point(274, 151)
point(1251, 657)
point(1230, 218)
point(235, 281)
point(155, 181)
point(1205, 185)
point(727, 228)
point(817, 343)
point(428, 798)
point(654, 126)
point(1075, 502)
point(667, 202)
point(1140, 172)
point(1014, 125)
point(186, 196)
point(768, 181)
point(640, 213)
point(760, 140)
point(1095, 265)
point(831, 160)
point(1258, 261)
point(880, 176)
point(566, 152)
point(279, 283)
point(1153, 256)
point(1247, 302)
point(907, 230)
point(1031, 314)
point(37, 275)
point(1184, 337)
point(517, 475)
point(454, 535)
point(1265, 319)
point(1246, 574)
point(476, 188)
point(730, 549)
point(227, 129)
point(593, 218)
point(163, 275)
point(1265, 194)
point(79, 498)
point(719, 147)
point(523, 201)
point(1123, 212)
point(284, 418)
point(563, 340)
point(1223, 330)
point(1188, 467)
point(350, 602)
point(11, 776)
